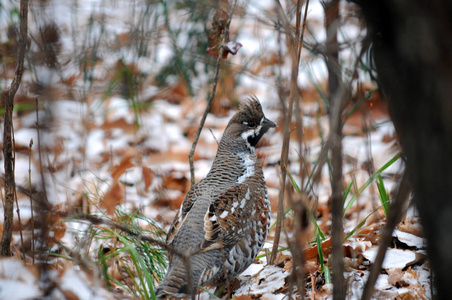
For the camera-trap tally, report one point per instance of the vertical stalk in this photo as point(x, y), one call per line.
point(8, 148)
point(336, 97)
point(31, 206)
point(293, 49)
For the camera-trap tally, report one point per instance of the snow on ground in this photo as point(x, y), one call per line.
point(91, 132)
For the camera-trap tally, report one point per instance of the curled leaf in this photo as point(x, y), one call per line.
point(219, 23)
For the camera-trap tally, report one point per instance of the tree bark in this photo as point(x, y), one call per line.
point(8, 145)
point(412, 46)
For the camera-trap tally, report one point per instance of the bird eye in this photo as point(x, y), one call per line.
point(251, 123)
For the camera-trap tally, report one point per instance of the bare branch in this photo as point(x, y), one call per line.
point(8, 147)
point(294, 96)
point(337, 96)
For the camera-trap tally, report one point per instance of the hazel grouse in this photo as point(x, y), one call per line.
point(224, 219)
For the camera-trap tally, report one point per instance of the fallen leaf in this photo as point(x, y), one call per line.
point(148, 176)
point(289, 265)
point(412, 272)
point(216, 34)
point(176, 182)
point(312, 252)
point(126, 162)
point(325, 292)
point(70, 295)
point(408, 295)
point(411, 226)
point(268, 280)
point(394, 258)
point(310, 266)
point(120, 123)
point(409, 239)
point(395, 275)
point(354, 247)
point(243, 297)
point(113, 197)
point(281, 258)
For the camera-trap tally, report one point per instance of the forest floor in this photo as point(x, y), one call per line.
point(109, 145)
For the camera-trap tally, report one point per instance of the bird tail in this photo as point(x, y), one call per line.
point(174, 285)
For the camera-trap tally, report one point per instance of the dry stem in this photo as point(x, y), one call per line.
point(294, 45)
point(8, 148)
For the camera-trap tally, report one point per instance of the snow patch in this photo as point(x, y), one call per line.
point(394, 258)
point(268, 280)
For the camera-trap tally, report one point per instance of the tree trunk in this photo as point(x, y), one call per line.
point(412, 46)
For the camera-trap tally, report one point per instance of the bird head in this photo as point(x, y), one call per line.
point(249, 123)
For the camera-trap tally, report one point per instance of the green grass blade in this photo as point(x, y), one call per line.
point(347, 191)
point(383, 195)
point(140, 266)
point(361, 224)
point(211, 296)
point(311, 216)
point(104, 267)
point(369, 181)
point(327, 275)
point(294, 183)
point(320, 251)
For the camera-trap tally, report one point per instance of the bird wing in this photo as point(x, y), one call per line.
point(181, 215)
point(228, 218)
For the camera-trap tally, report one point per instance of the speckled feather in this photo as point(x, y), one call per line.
point(224, 219)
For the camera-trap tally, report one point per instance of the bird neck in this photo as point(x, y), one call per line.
point(236, 159)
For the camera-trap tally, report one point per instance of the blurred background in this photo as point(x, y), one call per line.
point(110, 101)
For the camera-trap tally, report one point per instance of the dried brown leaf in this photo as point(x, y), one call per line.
point(70, 295)
point(395, 276)
point(219, 22)
point(311, 253)
point(120, 123)
point(411, 226)
point(281, 259)
point(243, 297)
point(113, 197)
point(148, 177)
point(126, 162)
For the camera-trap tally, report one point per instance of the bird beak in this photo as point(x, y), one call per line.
point(269, 124)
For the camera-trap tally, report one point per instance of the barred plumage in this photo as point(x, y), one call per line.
point(225, 218)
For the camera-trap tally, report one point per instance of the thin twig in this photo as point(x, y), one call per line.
point(394, 216)
point(31, 206)
point(303, 28)
point(294, 96)
point(39, 151)
point(298, 113)
point(20, 225)
point(214, 137)
point(299, 207)
point(15, 195)
point(211, 95)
